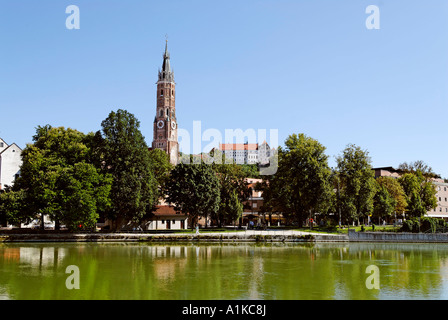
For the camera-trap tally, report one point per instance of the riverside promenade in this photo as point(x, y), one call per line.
point(238, 236)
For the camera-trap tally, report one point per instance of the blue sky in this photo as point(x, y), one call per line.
point(296, 66)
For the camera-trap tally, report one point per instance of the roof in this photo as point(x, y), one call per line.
point(238, 146)
point(385, 168)
point(166, 74)
point(162, 210)
point(13, 144)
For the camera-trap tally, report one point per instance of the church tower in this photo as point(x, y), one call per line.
point(165, 123)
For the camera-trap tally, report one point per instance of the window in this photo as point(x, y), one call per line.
point(161, 92)
point(161, 113)
point(163, 221)
point(167, 112)
point(1, 145)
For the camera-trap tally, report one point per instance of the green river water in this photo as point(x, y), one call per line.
point(186, 271)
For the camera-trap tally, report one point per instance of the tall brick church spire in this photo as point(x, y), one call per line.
point(165, 123)
point(166, 73)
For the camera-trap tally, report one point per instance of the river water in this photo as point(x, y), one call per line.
point(186, 271)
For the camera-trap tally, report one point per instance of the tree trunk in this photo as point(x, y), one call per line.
point(117, 223)
point(42, 222)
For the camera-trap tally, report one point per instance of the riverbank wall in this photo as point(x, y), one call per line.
point(260, 236)
point(142, 237)
point(354, 236)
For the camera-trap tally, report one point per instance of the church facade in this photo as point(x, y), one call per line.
point(165, 122)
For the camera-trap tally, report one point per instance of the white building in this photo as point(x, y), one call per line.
point(442, 200)
point(246, 153)
point(10, 162)
point(166, 218)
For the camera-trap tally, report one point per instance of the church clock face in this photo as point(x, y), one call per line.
point(160, 124)
point(173, 124)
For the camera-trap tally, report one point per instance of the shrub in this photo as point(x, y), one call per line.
point(428, 224)
point(425, 224)
point(432, 224)
point(410, 225)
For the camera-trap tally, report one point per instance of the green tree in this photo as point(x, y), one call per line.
point(194, 190)
point(11, 207)
point(82, 192)
point(233, 191)
point(161, 166)
point(301, 185)
point(395, 189)
point(126, 157)
point(419, 165)
point(383, 203)
point(250, 170)
point(230, 208)
point(420, 194)
point(357, 182)
point(54, 169)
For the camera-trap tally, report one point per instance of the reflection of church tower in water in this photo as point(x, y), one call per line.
point(165, 124)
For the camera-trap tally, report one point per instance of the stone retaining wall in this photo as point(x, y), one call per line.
point(396, 237)
point(224, 237)
point(229, 237)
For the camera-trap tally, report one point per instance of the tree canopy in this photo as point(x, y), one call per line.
point(126, 157)
point(194, 190)
point(420, 194)
point(357, 182)
point(233, 189)
point(419, 165)
point(58, 180)
point(301, 186)
point(395, 189)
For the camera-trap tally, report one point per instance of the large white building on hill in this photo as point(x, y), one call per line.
point(247, 153)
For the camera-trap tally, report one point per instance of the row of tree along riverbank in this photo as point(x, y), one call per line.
point(78, 179)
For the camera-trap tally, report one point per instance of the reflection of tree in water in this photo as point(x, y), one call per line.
point(25, 268)
point(406, 270)
point(222, 271)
